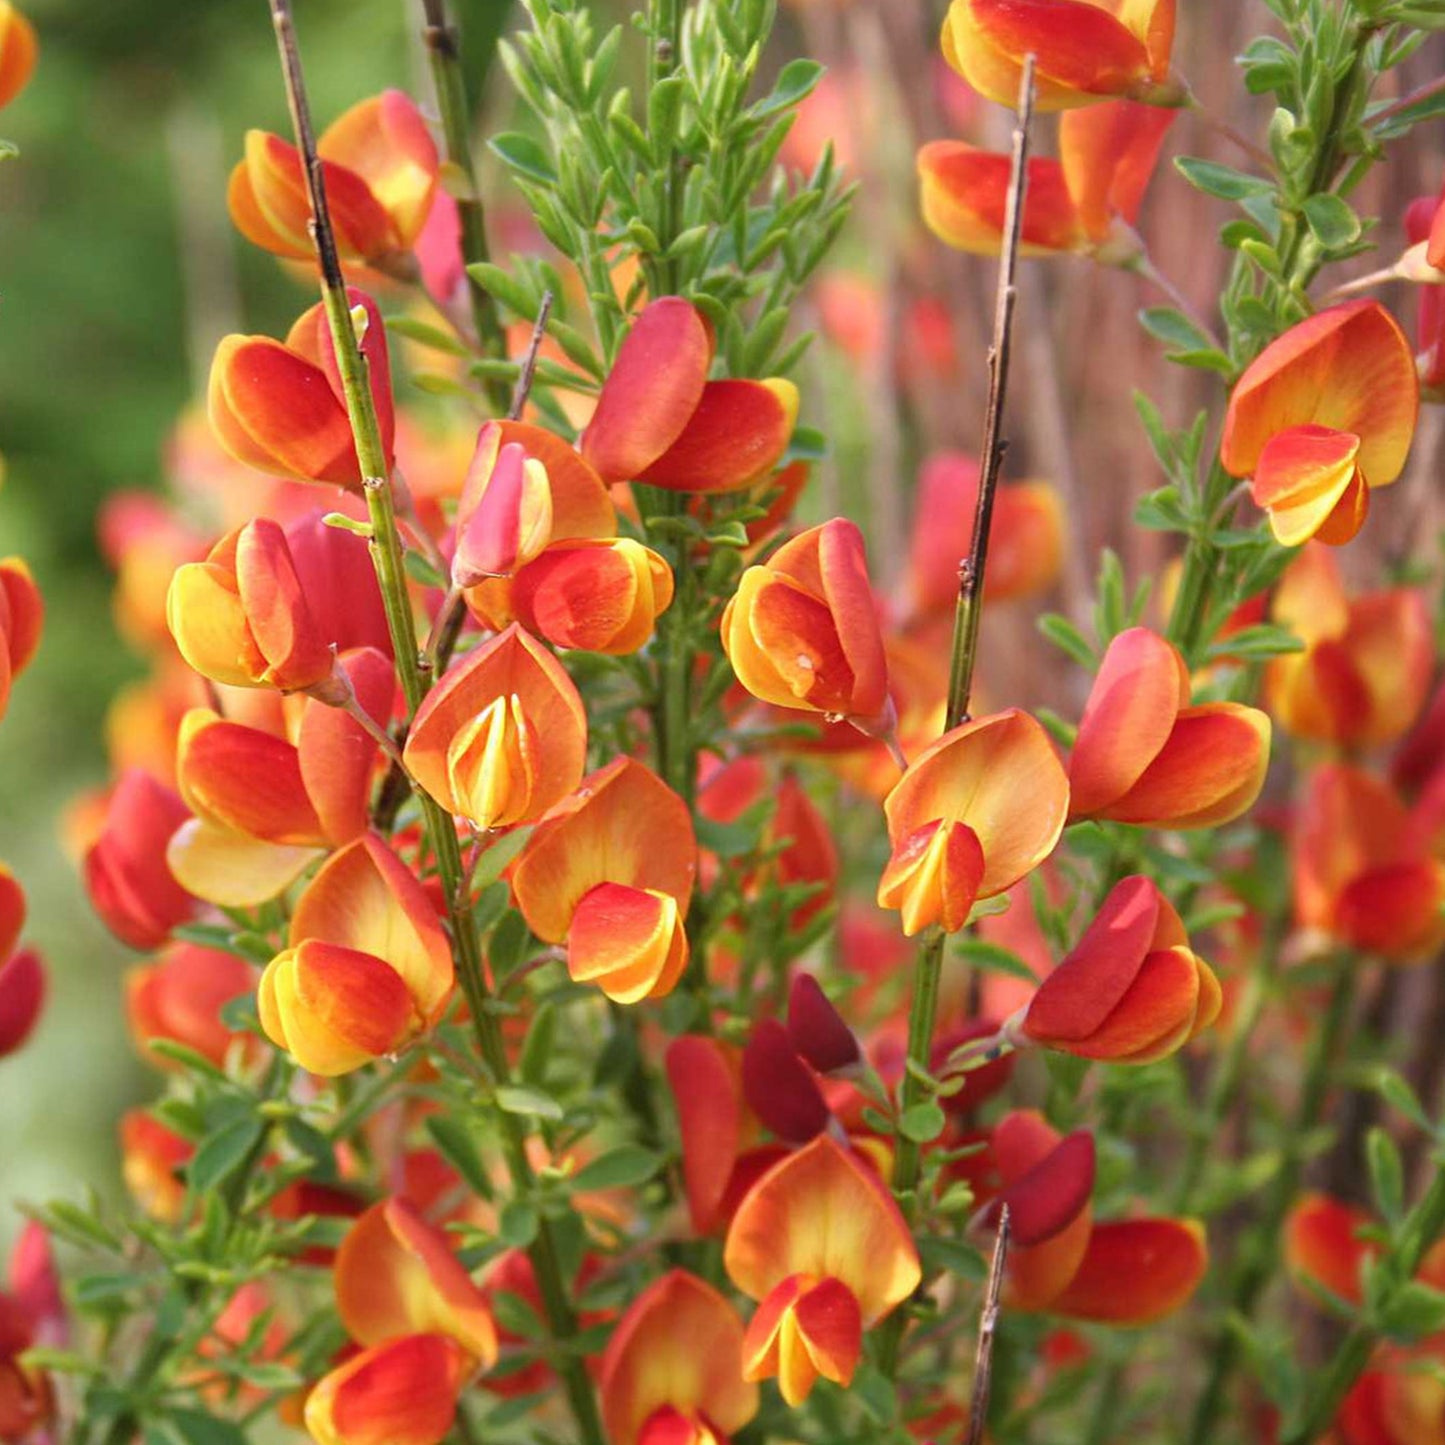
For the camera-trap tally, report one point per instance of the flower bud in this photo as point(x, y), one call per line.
point(18, 51)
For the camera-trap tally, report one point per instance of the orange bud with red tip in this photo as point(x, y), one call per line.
point(1325, 1248)
point(241, 618)
point(821, 1244)
point(504, 518)
point(610, 872)
point(379, 166)
point(1144, 755)
point(368, 968)
point(280, 406)
point(670, 1374)
point(126, 875)
point(1132, 991)
point(1135, 1271)
point(1084, 50)
point(18, 52)
point(1363, 874)
point(803, 632)
point(1365, 669)
point(22, 611)
point(399, 1392)
point(660, 420)
point(973, 814)
point(595, 595)
point(503, 738)
point(1084, 203)
point(1324, 414)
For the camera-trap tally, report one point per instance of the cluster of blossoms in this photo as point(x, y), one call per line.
point(490, 793)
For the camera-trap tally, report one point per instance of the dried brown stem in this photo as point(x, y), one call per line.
point(987, 1329)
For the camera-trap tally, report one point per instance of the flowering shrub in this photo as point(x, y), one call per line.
point(611, 976)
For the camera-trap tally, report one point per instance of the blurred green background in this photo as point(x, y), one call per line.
point(118, 271)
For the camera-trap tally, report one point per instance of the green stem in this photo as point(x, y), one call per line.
point(451, 89)
point(1422, 1227)
point(441, 831)
point(666, 17)
point(1260, 1248)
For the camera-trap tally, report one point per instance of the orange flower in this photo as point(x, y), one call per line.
point(18, 50)
point(504, 518)
point(1025, 545)
point(1365, 670)
point(1144, 755)
point(31, 1313)
point(1084, 50)
point(1086, 202)
point(265, 806)
point(504, 737)
point(400, 1392)
point(671, 1372)
point(22, 610)
point(1325, 1248)
point(1132, 991)
point(396, 1275)
point(596, 595)
point(126, 875)
point(660, 420)
point(240, 617)
point(152, 1159)
point(1135, 1271)
point(610, 871)
point(180, 997)
point(379, 165)
point(1362, 873)
point(802, 631)
point(1324, 414)
point(972, 815)
point(820, 1243)
point(368, 968)
point(280, 407)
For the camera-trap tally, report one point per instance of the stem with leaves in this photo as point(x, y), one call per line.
point(441, 832)
point(923, 1009)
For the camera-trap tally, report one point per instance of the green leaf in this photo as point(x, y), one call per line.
point(950, 1256)
point(436, 337)
point(519, 1099)
point(1413, 1312)
point(922, 1123)
point(1174, 329)
point(1065, 636)
point(1334, 223)
point(502, 286)
point(223, 1152)
point(664, 112)
point(796, 81)
point(524, 156)
point(1387, 1173)
point(1222, 181)
point(517, 1224)
point(622, 1168)
point(1402, 1098)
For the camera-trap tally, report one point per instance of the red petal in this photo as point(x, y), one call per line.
point(779, 1086)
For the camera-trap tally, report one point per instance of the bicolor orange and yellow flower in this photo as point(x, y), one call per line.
point(19, 50)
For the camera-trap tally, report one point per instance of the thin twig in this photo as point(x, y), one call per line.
point(987, 1328)
point(1421, 92)
point(971, 569)
point(528, 372)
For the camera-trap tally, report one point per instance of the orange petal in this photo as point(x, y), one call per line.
point(396, 1275)
point(623, 825)
point(1208, 773)
point(1136, 1271)
point(652, 390)
point(22, 997)
point(181, 997)
point(706, 1093)
point(823, 1213)
point(1140, 688)
point(18, 52)
point(366, 899)
point(12, 911)
point(1108, 153)
point(1305, 477)
point(965, 192)
point(1045, 1199)
point(228, 868)
point(1323, 1247)
point(402, 1392)
point(933, 876)
point(22, 613)
point(1000, 775)
point(280, 621)
point(1393, 911)
point(736, 435)
point(385, 142)
point(504, 518)
point(1348, 368)
point(581, 504)
point(630, 942)
point(678, 1345)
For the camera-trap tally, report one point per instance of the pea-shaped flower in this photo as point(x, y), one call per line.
point(503, 737)
point(18, 50)
point(22, 610)
point(1132, 990)
point(368, 968)
point(803, 632)
point(973, 814)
